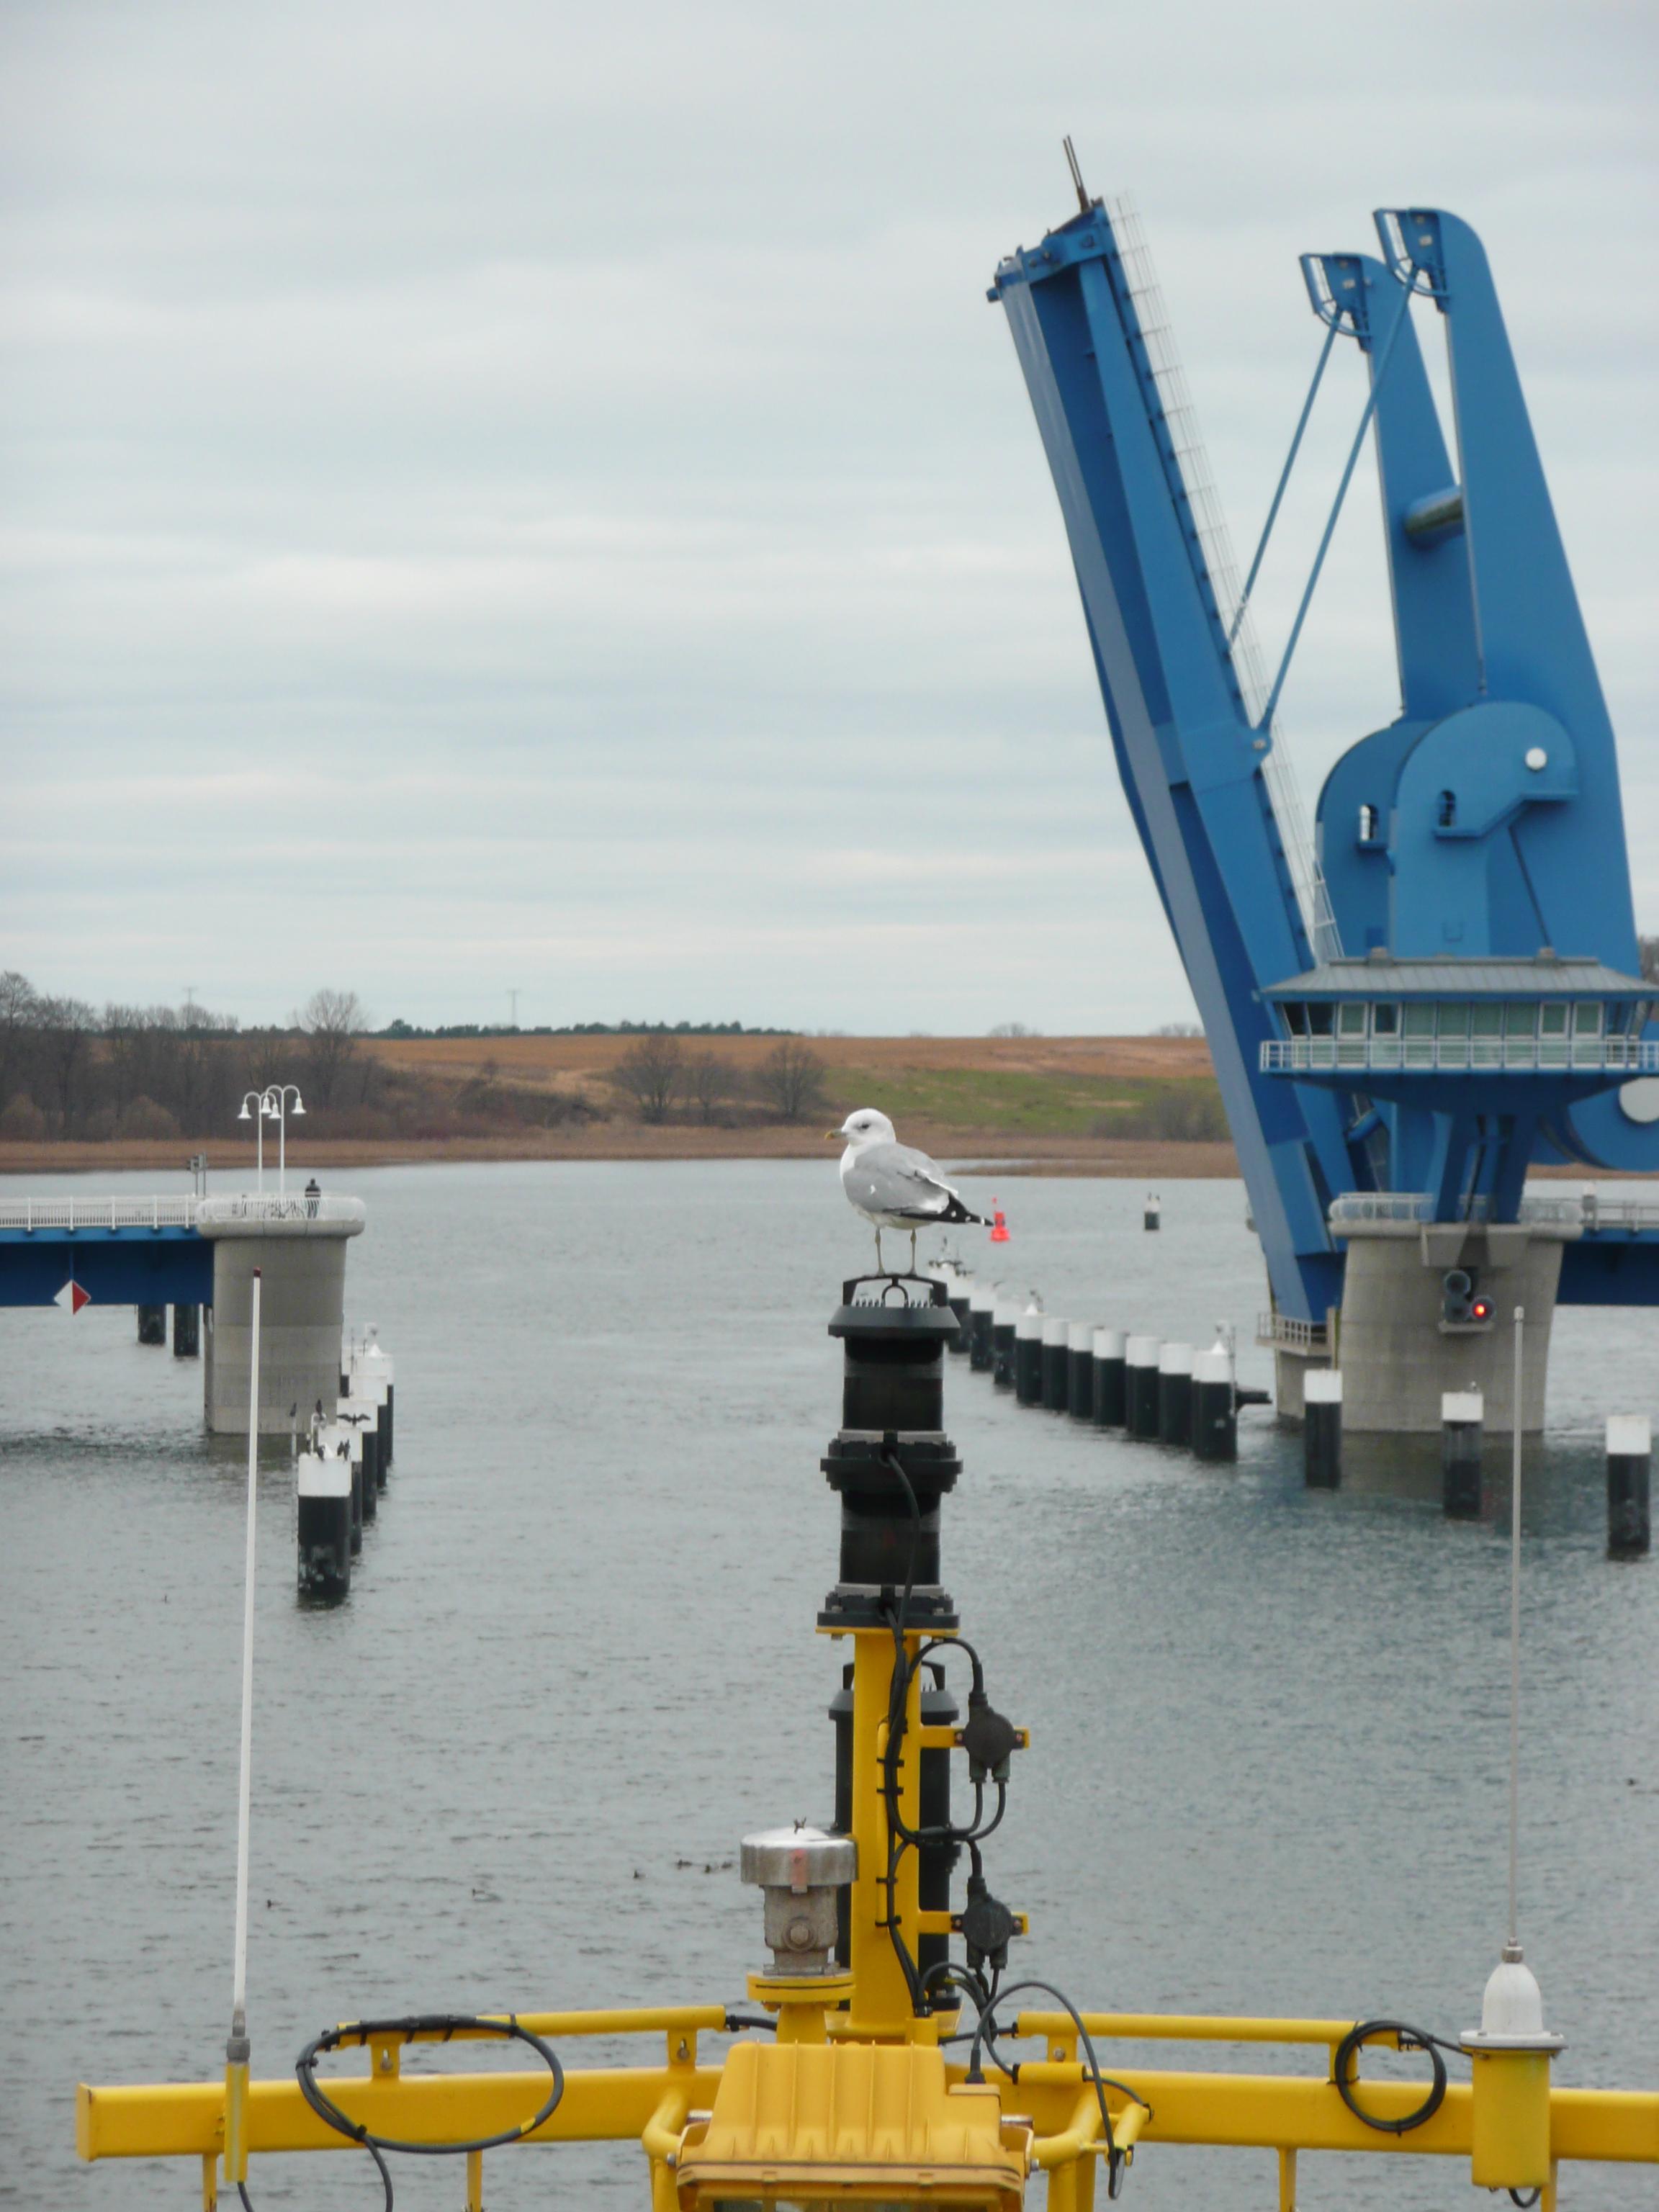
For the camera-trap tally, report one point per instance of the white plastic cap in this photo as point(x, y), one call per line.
point(1215, 1365)
point(1082, 1336)
point(1029, 1325)
point(1005, 1313)
point(982, 1298)
point(1109, 1343)
point(1143, 1351)
point(1175, 1359)
point(1512, 2011)
point(1322, 1386)
point(1630, 1436)
point(1461, 1406)
point(1055, 1331)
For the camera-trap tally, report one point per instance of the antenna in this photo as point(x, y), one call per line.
point(189, 1005)
point(512, 1002)
point(237, 2052)
point(1077, 175)
point(1515, 1636)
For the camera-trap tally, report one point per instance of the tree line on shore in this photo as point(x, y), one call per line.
point(73, 1072)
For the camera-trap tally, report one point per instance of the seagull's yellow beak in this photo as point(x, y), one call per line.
point(829, 1135)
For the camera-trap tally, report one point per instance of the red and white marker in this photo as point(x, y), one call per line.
point(72, 1297)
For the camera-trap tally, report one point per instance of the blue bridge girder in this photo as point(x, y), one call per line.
point(126, 1267)
point(1483, 825)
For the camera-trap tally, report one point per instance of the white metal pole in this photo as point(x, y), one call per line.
point(281, 1142)
point(239, 1995)
point(1515, 1629)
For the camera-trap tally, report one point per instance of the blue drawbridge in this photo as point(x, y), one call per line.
point(1441, 985)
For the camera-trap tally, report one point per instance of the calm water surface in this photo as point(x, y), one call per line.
point(577, 1664)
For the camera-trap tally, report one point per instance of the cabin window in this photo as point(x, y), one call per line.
point(1446, 811)
point(1553, 1019)
point(1350, 1018)
point(1368, 825)
point(1587, 1017)
point(1455, 1018)
point(1385, 1018)
point(1295, 1016)
point(1520, 1017)
point(1319, 1017)
point(1420, 1021)
point(1485, 1020)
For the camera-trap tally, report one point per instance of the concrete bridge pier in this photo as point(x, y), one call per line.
point(299, 1245)
point(1399, 1351)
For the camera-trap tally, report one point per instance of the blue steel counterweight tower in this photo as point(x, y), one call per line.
point(1443, 989)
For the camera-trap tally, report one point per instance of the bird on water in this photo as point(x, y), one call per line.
point(892, 1185)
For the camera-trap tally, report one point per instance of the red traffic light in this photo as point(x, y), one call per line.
point(1480, 1309)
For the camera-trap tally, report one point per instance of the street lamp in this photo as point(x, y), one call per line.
point(277, 1096)
point(260, 1100)
point(271, 1105)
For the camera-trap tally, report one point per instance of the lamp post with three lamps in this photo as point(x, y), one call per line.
point(271, 1105)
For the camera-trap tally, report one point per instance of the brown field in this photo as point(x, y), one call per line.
point(1030, 1103)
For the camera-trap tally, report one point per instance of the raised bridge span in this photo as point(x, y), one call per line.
point(189, 1251)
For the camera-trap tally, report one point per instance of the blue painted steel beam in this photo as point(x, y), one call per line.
point(118, 1266)
point(1188, 756)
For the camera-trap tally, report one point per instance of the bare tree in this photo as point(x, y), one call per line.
point(1647, 946)
point(332, 1022)
point(649, 1072)
point(791, 1079)
point(710, 1081)
point(20, 1011)
point(1179, 1029)
point(1013, 1029)
point(66, 1028)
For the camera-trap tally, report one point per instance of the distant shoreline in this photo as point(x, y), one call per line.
point(1002, 1152)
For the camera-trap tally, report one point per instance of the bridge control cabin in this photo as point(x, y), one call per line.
point(1576, 1019)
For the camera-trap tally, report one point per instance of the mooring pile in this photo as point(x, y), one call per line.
point(1170, 1393)
point(343, 1467)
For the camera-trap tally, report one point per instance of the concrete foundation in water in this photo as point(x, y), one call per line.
point(301, 1257)
point(1399, 1355)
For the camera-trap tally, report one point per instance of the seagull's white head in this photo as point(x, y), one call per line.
point(866, 1126)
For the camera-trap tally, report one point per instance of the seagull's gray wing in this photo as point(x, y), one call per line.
point(898, 1179)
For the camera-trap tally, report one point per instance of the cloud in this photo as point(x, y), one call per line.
point(541, 499)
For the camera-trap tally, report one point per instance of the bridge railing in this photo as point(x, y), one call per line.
point(1618, 1055)
point(1539, 1210)
point(31, 1214)
point(252, 1207)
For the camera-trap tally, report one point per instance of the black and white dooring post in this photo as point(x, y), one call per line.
point(1321, 1428)
point(152, 1324)
point(1027, 1356)
point(323, 1482)
point(1004, 1319)
point(981, 1303)
point(1110, 1399)
point(1630, 1462)
point(1215, 1406)
point(186, 1332)
point(1152, 1211)
point(1462, 1417)
point(1056, 1364)
point(958, 1293)
point(1141, 1385)
point(1175, 1393)
point(1080, 1371)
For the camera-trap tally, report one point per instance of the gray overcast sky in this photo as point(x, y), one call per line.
point(533, 495)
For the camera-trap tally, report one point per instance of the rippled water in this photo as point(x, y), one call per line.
point(577, 1664)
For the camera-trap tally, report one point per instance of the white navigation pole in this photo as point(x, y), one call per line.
point(237, 2050)
point(1511, 2048)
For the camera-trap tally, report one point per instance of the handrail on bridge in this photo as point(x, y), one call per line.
point(230, 1209)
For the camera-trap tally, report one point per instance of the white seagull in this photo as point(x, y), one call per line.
point(891, 1184)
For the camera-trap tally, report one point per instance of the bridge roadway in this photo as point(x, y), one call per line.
point(147, 1251)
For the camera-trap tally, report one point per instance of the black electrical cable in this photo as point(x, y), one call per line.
point(1408, 2038)
point(444, 2025)
point(1115, 2158)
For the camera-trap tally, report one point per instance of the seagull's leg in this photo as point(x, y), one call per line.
point(879, 1269)
point(913, 1251)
